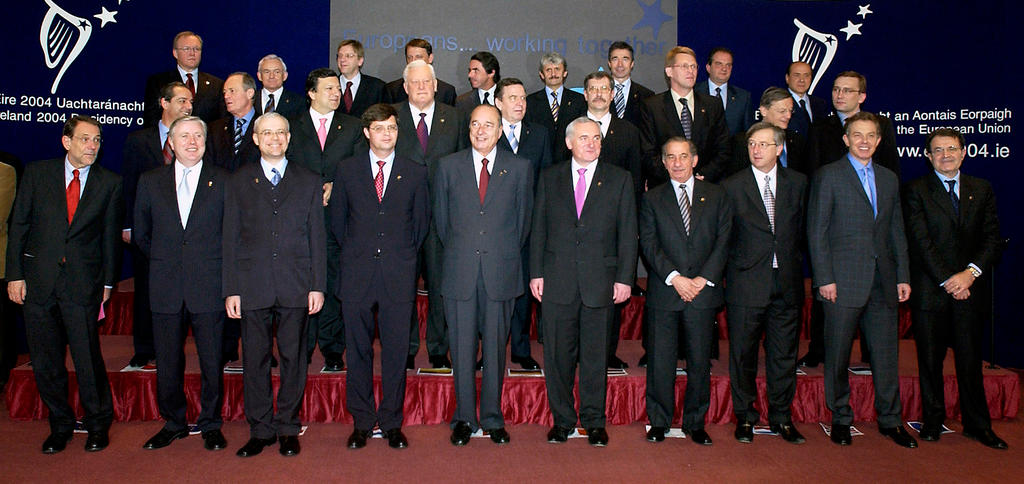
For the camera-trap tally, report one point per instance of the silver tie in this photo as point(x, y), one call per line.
point(184, 197)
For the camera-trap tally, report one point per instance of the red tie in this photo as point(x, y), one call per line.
point(348, 97)
point(190, 84)
point(484, 178)
point(168, 154)
point(72, 195)
point(378, 181)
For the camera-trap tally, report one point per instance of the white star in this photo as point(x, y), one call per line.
point(864, 10)
point(106, 16)
point(851, 29)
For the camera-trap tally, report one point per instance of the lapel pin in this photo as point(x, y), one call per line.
point(502, 173)
point(970, 197)
point(702, 110)
point(599, 183)
point(209, 183)
point(701, 199)
point(256, 180)
point(398, 177)
point(442, 120)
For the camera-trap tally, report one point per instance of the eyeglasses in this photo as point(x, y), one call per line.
point(347, 56)
point(190, 50)
point(391, 128)
point(266, 133)
point(844, 91)
point(938, 150)
point(760, 144)
point(598, 89)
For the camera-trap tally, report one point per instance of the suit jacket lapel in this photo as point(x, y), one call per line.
point(672, 206)
point(697, 205)
point(334, 131)
point(438, 125)
point(670, 111)
point(593, 193)
point(750, 187)
point(497, 179)
point(940, 194)
point(88, 195)
point(854, 177)
point(202, 191)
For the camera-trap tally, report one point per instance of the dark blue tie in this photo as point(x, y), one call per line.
point(952, 196)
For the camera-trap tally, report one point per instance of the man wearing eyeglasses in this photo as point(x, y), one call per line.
point(358, 91)
point(208, 102)
point(954, 241)
point(765, 290)
point(776, 108)
point(379, 212)
point(62, 255)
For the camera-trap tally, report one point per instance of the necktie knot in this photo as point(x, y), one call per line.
point(582, 171)
point(486, 96)
point(952, 185)
point(380, 164)
point(74, 174)
point(276, 178)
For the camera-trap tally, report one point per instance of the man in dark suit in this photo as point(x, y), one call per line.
point(620, 146)
point(532, 142)
point(861, 270)
point(380, 211)
point(628, 95)
point(482, 200)
point(583, 254)
point(776, 108)
point(274, 98)
point(484, 73)
point(701, 120)
point(954, 242)
point(358, 91)
point(62, 257)
point(178, 219)
point(427, 131)
point(808, 110)
point(739, 114)
point(231, 144)
point(418, 49)
point(322, 136)
point(208, 100)
point(766, 283)
point(274, 269)
point(555, 106)
point(684, 235)
point(144, 150)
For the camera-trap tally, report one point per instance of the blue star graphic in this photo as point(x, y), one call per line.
point(653, 17)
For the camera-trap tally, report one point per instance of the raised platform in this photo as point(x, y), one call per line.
point(430, 399)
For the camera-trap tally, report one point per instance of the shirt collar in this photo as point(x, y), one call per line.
point(799, 98)
point(711, 86)
point(195, 75)
point(267, 167)
point(69, 169)
point(416, 112)
point(857, 165)
point(590, 167)
point(944, 178)
point(387, 159)
point(490, 156)
point(559, 91)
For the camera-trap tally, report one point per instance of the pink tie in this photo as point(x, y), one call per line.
point(581, 191)
point(322, 132)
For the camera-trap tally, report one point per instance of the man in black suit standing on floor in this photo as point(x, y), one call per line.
point(954, 241)
point(739, 114)
point(208, 101)
point(628, 94)
point(555, 105)
point(808, 110)
point(179, 214)
point(322, 136)
point(418, 49)
point(766, 285)
point(231, 144)
point(144, 150)
point(583, 253)
point(273, 97)
point(776, 108)
point(274, 269)
point(358, 91)
point(684, 235)
point(858, 251)
point(533, 142)
point(482, 200)
point(484, 73)
point(427, 131)
point(380, 211)
point(683, 111)
point(62, 257)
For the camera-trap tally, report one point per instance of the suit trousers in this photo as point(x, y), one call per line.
point(877, 321)
point(392, 317)
point(142, 321)
point(169, 331)
point(519, 334)
point(779, 322)
point(437, 329)
point(959, 328)
point(489, 318)
point(327, 328)
point(52, 324)
point(257, 347)
point(697, 325)
point(576, 334)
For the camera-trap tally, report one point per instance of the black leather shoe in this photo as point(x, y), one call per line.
point(526, 362)
point(987, 438)
point(809, 361)
point(410, 362)
point(140, 360)
point(164, 437)
point(479, 365)
point(657, 434)
point(358, 438)
point(461, 434)
point(396, 439)
point(97, 441)
point(214, 440)
point(840, 434)
point(930, 433)
point(440, 361)
point(699, 436)
point(597, 436)
point(788, 432)
point(899, 435)
point(643, 361)
point(499, 435)
point(254, 446)
point(616, 363)
point(57, 442)
point(744, 432)
point(333, 363)
point(558, 434)
point(289, 445)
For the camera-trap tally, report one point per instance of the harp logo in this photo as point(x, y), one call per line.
point(818, 48)
point(63, 36)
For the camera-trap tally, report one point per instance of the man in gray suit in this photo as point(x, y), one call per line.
point(861, 269)
point(482, 204)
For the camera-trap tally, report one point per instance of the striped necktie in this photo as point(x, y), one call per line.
point(686, 119)
point(684, 207)
point(620, 101)
point(238, 133)
point(554, 106)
